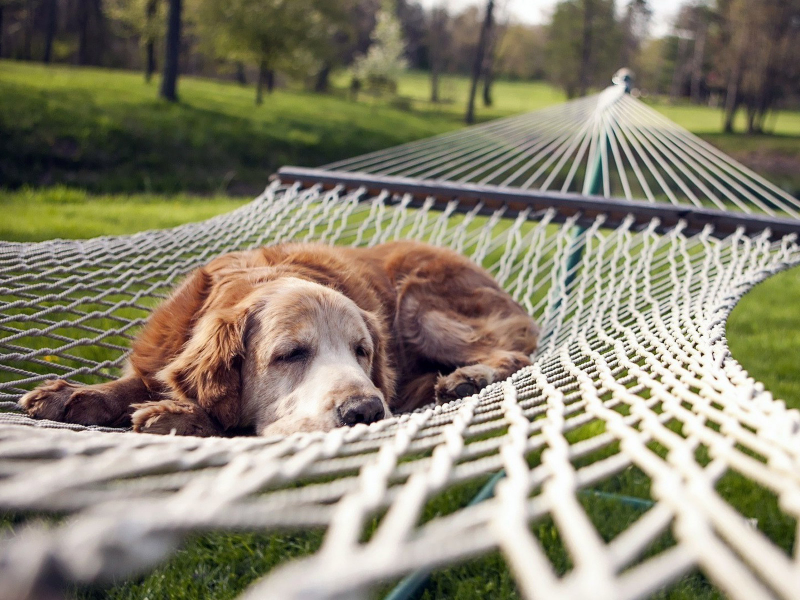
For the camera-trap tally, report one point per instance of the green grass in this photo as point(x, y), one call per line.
point(509, 97)
point(60, 212)
point(764, 334)
point(775, 155)
point(197, 571)
point(105, 131)
point(703, 120)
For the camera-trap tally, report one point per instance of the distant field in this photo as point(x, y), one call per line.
point(60, 212)
point(509, 97)
point(705, 120)
point(106, 132)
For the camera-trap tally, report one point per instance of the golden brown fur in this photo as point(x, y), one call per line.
point(293, 337)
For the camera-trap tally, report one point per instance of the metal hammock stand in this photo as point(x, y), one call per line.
point(629, 239)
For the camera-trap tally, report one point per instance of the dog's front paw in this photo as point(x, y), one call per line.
point(59, 400)
point(169, 416)
point(463, 382)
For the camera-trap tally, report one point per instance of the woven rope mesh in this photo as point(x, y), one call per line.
point(621, 441)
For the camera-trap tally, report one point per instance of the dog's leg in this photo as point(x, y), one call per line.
point(102, 404)
point(168, 416)
point(468, 380)
point(474, 350)
point(416, 392)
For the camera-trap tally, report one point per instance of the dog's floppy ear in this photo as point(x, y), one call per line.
point(383, 374)
point(208, 369)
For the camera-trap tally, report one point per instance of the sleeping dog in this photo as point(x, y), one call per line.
point(303, 337)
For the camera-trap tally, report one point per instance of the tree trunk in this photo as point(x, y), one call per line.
point(262, 79)
point(323, 79)
point(677, 74)
point(270, 80)
point(150, 45)
point(697, 62)
point(488, 66)
point(732, 98)
point(751, 117)
point(50, 30)
point(434, 82)
point(172, 43)
point(586, 48)
point(241, 75)
point(488, 78)
point(438, 17)
point(27, 38)
point(150, 60)
point(83, 31)
point(770, 75)
point(477, 67)
point(1, 30)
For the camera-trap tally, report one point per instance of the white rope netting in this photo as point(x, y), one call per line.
point(632, 150)
point(633, 397)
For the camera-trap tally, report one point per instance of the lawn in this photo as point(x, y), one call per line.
point(60, 212)
point(145, 162)
point(105, 131)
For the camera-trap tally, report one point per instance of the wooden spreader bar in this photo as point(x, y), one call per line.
point(516, 200)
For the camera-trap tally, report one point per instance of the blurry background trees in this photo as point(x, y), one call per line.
point(736, 55)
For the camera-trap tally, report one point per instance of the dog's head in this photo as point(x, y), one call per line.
point(283, 356)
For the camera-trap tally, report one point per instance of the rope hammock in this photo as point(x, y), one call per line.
point(626, 237)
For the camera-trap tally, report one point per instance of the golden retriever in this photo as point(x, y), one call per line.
point(302, 337)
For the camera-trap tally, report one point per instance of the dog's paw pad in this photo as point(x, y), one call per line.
point(463, 382)
point(466, 388)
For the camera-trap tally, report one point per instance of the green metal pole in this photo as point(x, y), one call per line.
point(413, 585)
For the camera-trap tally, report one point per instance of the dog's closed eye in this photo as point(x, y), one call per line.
point(294, 354)
point(362, 351)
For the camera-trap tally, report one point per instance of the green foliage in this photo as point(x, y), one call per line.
point(272, 34)
point(520, 52)
point(576, 24)
point(142, 18)
point(383, 63)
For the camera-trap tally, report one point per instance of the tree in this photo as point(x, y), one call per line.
point(586, 46)
point(149, 37)
point(384, 61)
point(635, 26)
point(495, 36)
point(521, 52)
point(437, 40)
point(91, 31)
point(172, 47)
point(583, 48)
point(760, 56)
point(271, 34)
point(477, 66)
point(51, 22)
point(143, 20)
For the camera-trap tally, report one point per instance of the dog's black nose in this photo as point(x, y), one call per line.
point(361, 409)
